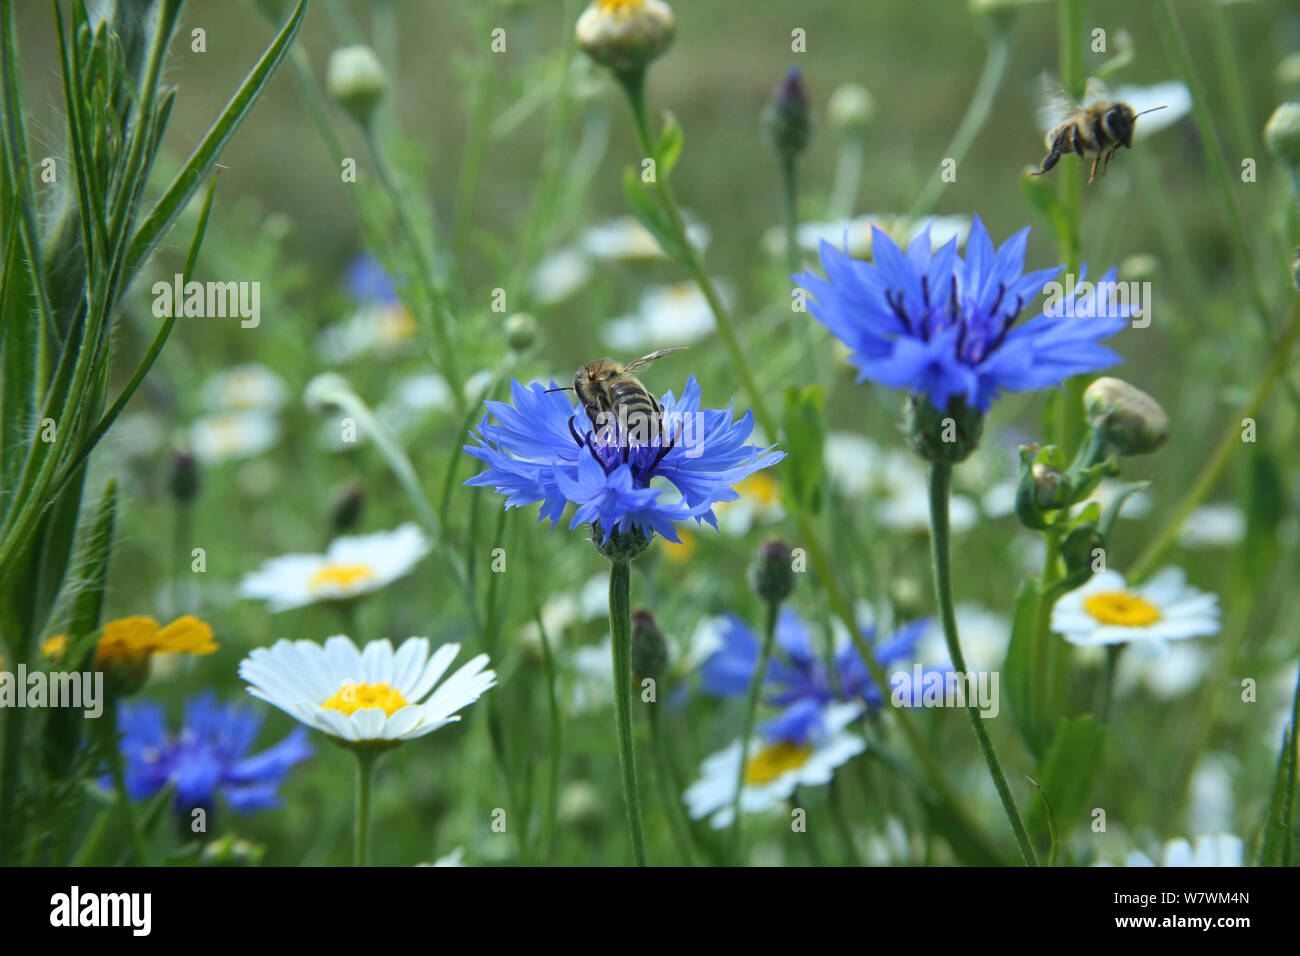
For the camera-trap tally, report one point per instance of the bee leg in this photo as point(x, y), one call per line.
point(1092, 173)
point(1107, 162)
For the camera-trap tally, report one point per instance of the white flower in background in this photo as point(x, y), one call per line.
point(560, 275)
point(984, 639)
point(1212, 799)
point(624, 239)
point(896, 480)
point(1217, 525)
point(374, 696)
point(243, 388)
point(353, 565)
point(384, 327)
point(1174, 96)
point(1000, 500)
point(667, 316)
point(412, 400)
point(772, 769)
point(1221, 850)
point(856, 233)
point(225, 435)
point(560, 612)
point(477, 385)
point(1106, 611)
point(455, 858)
point(593, 678)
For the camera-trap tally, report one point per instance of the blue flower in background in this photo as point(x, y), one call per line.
point(797, 679)
point(367, 282)
point(208, 757)
point(941, 325)
point(542, 449)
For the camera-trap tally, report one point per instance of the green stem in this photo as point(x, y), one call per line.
point(1218, 460)
point(940, 481)
point(976, 117)
point(668, 794)
point(10, 773)
point(620, 629)
point(747, 726)
point(137, 854)
point(366, 758)
point(1113, 652)
point(809, 537)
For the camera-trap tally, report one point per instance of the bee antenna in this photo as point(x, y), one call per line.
point(1152, 110)
point(567, 388)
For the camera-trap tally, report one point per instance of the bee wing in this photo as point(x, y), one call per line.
point(1054, 104)
point(1096, 92)
point(647, 359)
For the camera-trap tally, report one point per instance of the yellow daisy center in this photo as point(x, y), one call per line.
point(55, 646)
point(770, 762)
point(614, 5)
point(352, 697)
point(334, 576)
point(1121, 609)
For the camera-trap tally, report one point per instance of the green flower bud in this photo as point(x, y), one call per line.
point(649, 652)
point(356, 80)
point(1288, 71)
point(1050, 487)
point(787, 125)
point(772, 572)
point(1077, 551)
point(948, 437)
point(1140, 267)
point(1282, 133)
point(1125, 416)
point(521, 331)
point(625, 35)
point(851, 109)
point(622, 545)
point(184, 480)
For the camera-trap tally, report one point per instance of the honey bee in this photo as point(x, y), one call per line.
point(613, 398)
point(1101, 127)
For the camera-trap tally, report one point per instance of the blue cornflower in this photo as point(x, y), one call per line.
point(208, 757)
point(368, 283)
point(542, 449)
point(940, 325)
point(797, 679)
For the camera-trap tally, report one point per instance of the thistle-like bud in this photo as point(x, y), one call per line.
point(851, 109)
point(625, 35)
point(230, 850)
point(649, 652)
point(521, 331)
point(347, 508)
point(772, 572)
point(1282, 133)
point(942, 437)
point(184, 480)
point(787, 124)
point(356, 80)
point(1125, 416)
point(622, 545)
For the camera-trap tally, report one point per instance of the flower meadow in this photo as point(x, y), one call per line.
point(523, 433)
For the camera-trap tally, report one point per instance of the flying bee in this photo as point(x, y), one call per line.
point(614, 398)
point(1101, 127)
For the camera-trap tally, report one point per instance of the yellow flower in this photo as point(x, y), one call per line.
point(681, 553)
point(134, 640)
point(55, 647)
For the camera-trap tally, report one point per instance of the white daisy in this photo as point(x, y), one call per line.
point(856, 233)
point(236, 434)
point(1106, 611)
point(353, 565)
point(1166, 676)
point(668, 315)
point(625, 239)
point(384, 327)
point(244, 387)
point(984, 638)
point(560, 275)
point(772, 770)
point(371, 696)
